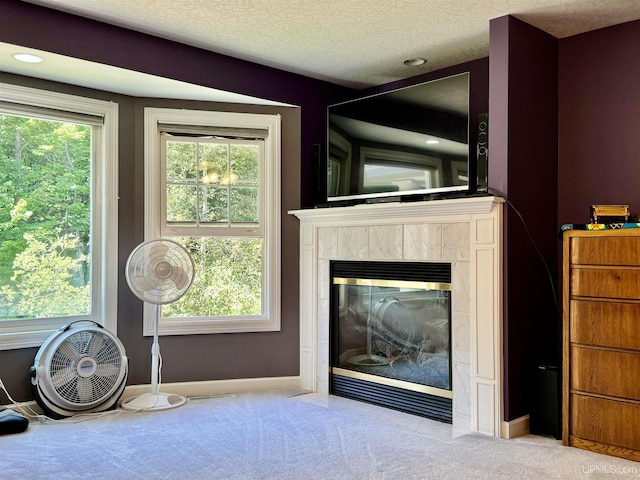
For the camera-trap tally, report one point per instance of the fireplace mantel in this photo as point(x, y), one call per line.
point(466, 232)
point(382, 212)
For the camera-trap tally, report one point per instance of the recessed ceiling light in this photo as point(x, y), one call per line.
point(415, 62)
point(27, 58)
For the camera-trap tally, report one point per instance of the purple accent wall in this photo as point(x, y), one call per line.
point(599, 121)
point(523, 132)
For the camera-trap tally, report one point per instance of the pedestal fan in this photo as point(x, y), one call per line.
point(158, 272)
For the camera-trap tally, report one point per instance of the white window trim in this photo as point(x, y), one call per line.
point(152, 223)
point(32, 333)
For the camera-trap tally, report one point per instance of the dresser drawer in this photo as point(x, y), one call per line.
point(605, 372)
point(606, 324)
point(606, 421)
point(605, 251)
point(612, 283)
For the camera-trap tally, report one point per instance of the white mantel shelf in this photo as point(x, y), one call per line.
point(381, 212)
point(465, 232)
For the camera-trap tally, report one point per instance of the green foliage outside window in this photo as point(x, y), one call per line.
point(212, 182)
point(228, 278)
point(216, 183)
point(45, 187)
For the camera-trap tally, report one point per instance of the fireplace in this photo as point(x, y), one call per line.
point(391, 335)
point(467, 234)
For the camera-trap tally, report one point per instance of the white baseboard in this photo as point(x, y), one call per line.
point(210, 387)
point(515, 428)
point(219, 387)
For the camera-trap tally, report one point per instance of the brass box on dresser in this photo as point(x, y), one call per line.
point(601, 341)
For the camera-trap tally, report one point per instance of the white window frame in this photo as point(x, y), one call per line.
point(270, 221)
point(26, 333)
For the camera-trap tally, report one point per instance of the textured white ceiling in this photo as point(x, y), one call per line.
point(356, 43)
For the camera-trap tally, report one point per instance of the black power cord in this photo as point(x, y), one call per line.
point(493, 191)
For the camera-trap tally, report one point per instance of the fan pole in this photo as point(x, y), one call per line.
point(155, 352)
point(154, 400)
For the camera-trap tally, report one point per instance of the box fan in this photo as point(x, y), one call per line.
point(82, 367)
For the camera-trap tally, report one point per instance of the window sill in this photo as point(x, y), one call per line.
point(198, 326)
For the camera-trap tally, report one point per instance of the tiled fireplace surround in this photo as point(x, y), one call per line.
point(465, 232)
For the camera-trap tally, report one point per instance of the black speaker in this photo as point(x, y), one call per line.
point(482, 152)
point(545, 417)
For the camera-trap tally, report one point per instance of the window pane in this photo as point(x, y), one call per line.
point(45, 187)
point(213, 162)
point(244, 190)
point(244, 204)
point(181, 203)
point(244, 163)
point(228, 278)
point(214, 203)
point(181, 162)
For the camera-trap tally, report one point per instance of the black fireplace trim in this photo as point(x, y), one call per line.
point(409, 271)
point(408, 401)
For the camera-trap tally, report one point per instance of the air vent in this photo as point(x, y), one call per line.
point(417, 403)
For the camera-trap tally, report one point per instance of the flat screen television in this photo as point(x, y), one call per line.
point(405, 144)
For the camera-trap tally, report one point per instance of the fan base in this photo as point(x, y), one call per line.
point(151, 401)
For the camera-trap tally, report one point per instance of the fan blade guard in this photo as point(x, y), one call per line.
point(159, 271)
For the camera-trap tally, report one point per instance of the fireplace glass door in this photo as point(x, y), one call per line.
point(392, 332)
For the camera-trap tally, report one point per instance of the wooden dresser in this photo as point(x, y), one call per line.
point(601, 341)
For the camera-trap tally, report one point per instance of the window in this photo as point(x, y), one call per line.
point(58, 213)
point(211, 184)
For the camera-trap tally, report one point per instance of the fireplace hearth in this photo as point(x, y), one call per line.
point(391, 342)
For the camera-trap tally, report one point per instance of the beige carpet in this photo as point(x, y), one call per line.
point(270, 436)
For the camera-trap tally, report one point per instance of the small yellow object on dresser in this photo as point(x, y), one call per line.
point(619, 212)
